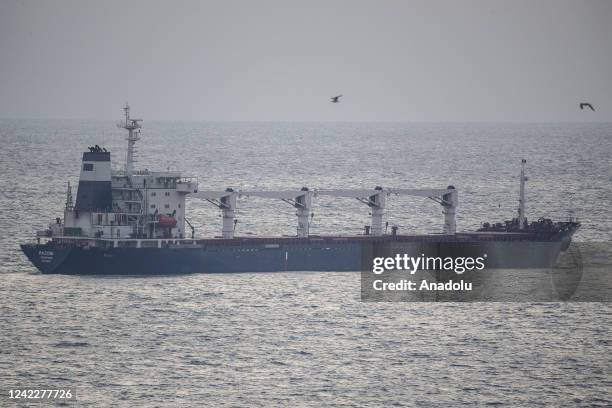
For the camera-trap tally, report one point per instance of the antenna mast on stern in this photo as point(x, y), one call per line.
point(521, 209)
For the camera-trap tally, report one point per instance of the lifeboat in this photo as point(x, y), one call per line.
point(166, 221)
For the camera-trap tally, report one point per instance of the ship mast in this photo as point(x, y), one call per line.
point(130, 125)
point(521, 209)
point(69, 202)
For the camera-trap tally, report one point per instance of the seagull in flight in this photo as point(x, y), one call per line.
point(334, 99)
point(586, 105)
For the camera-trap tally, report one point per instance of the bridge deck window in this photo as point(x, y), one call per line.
point(88, 166)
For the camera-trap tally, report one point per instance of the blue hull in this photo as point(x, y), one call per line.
point(275, 255)
point(222, 259)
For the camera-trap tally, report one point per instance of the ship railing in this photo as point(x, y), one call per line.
point(153, 243)
point(116, 218)
point(128, 242)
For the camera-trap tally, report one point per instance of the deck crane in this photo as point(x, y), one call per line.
point(376, 200)
point(226, 202)
point(190, 226)
point(302, 201)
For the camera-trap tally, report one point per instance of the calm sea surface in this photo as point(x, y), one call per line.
point(305, 339)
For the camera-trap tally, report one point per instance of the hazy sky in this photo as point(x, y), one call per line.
point(282, 60)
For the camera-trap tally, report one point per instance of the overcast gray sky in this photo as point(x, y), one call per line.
point(281, 60)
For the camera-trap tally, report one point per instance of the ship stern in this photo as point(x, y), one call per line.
point(46, 258)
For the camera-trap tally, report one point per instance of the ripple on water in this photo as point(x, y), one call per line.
point(221, 340)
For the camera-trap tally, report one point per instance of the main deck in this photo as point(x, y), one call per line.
point(247, 241)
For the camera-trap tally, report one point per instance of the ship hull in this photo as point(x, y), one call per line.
point(291, 254)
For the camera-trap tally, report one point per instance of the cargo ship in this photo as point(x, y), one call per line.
point(133, 222)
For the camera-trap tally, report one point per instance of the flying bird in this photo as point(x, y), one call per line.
point(586, 105)
point(334, 99)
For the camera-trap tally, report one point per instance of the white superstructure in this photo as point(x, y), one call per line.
point(129, 203)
